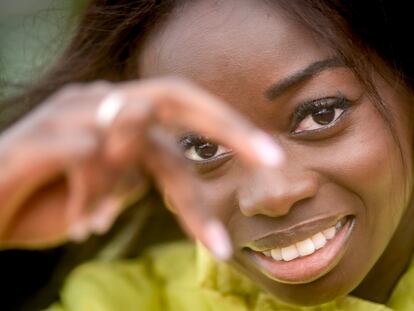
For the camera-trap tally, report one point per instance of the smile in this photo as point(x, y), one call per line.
point(309, 258)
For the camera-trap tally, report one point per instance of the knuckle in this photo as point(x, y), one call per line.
point(172, 90)
point(89, 143)
point(141, 111)
point(100, 86)
point(70, 89)
point(76, 93)
point(171, 84)
point(64, 94)
point(180, 83)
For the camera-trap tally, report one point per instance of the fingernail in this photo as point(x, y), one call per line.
point(99, 224)
point(102, 219)
point(218, 241)
point(79, 232)
point(268, 152)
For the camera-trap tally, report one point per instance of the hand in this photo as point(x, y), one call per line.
point(67, 170)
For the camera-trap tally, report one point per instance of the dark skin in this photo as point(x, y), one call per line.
point(343, 163)
point(352, 164)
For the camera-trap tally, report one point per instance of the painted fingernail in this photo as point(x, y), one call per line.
point(218, 241)
point(102, 219)
point(268, 152)
point(99, 224)
point(79, 232)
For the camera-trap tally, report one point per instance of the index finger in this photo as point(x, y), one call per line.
point(179, 102)
point(179, 183)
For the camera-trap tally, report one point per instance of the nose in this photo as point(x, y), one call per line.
point(274, 192)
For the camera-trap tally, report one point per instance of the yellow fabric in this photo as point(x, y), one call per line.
point(181, 277)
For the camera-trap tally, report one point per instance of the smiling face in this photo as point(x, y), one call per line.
point(312, 229)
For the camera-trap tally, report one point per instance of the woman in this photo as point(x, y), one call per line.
point(315, 206)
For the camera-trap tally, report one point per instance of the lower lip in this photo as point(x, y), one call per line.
point(309, 268)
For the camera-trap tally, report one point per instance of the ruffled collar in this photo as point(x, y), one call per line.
point(220, 277)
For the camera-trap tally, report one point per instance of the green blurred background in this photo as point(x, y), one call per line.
point(32, 32)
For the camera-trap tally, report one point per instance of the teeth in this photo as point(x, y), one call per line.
point(289, 253)
point(267, 253)
point(277, 254)
point(329, 233)
point(318, 240)
point(305, 247)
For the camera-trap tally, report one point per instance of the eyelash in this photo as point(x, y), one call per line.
point(191, 140)
point(310, 108)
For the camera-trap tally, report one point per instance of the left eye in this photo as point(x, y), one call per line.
point(199, 149)
point(319, 119)
point(319, 114)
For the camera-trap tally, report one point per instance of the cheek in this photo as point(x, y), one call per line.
point(366, 160)
point(219, 195)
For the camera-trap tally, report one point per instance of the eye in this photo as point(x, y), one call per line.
point(319, 119)
point(200, 149)
point(319, 114)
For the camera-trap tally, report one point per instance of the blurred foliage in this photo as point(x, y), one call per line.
point(32, 33)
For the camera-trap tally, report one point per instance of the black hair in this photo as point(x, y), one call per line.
point(111, 31)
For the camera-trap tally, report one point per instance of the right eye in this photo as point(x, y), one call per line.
point(200, 149)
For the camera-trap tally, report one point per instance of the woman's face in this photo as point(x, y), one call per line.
point(311, 230)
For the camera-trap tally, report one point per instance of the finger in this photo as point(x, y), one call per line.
point(102, 187)
point(183, 104)
point(126, 136)
point(171, 173)
point(35, 163)
point(105, 214)
point(129, 187)
point(98, 193)
point(89, 180)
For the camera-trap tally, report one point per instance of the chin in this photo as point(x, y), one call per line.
point(333, 285)
point(312, 276)
point(307, 295)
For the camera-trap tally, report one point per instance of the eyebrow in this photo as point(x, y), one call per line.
point(300, 76)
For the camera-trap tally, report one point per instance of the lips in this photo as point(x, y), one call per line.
point(298, 232)
point(311, 250)
point(307, 246)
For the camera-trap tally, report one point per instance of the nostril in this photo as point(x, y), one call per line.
point(245, 206)
point(276, 202)
point(274, 192)
point(269, 206)
point(273, 207)
point(277, 207)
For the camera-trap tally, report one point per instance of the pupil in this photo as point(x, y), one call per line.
point(324, 116)
point(206, 150)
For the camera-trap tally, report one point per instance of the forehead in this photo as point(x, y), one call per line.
point(207, 40)
point(215, 34)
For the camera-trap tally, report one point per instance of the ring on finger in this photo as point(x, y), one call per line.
point(109, 109)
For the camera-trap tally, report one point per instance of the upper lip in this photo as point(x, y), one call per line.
point(288, 236)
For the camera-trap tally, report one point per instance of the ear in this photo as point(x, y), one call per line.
point(40, 221)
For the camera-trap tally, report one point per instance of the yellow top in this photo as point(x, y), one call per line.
point(182, 277)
